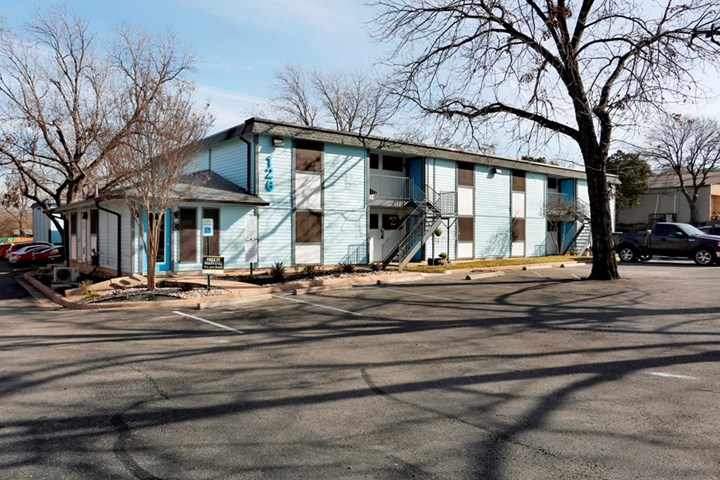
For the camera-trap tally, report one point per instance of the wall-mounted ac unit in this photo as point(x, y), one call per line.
point(65, 274)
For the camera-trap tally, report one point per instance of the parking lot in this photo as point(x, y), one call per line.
point(534, 374)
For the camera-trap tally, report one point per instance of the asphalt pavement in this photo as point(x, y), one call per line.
point(535, 374)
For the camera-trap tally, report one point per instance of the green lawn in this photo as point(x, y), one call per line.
point(493, 263)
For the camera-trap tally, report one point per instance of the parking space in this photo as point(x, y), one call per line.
point(533, 374)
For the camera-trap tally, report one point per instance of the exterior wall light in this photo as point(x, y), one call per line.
point(278, 141)
point(495, 170)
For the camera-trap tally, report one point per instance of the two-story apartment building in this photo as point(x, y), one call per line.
point(276, 192)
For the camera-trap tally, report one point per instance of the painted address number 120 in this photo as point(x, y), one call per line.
point(269, 184)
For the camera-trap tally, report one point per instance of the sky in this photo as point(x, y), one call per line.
point(241, 43)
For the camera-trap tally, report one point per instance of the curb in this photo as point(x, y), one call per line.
point(479, 276)
point(63, 301)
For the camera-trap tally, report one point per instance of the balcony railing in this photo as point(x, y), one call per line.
point(386, 188)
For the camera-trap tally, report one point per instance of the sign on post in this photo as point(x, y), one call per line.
point(213, 265)
point(207, 227)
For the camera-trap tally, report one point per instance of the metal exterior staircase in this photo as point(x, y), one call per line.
point(402, 245)
point(582, 240)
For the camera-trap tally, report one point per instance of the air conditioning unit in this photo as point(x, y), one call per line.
point(65, 274)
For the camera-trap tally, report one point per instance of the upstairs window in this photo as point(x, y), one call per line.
point(394, 164)
point(466, 173)
point(518, 181)
point(308, 156)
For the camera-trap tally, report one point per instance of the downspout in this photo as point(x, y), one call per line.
point(249, 162)
point(119, 237)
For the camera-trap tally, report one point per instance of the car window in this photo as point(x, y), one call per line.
point(664, 230)
point(690, 230)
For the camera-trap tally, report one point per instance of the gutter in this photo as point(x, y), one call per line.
point(249, 162)
point(119, 237)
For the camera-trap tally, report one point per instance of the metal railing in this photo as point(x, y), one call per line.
point(357, 254)
point(387, 187)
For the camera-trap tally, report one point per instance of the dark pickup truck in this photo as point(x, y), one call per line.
point(668, 240)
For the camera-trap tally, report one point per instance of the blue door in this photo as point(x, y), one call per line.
point(163, 254)
point(415, 172)
point(567, 229)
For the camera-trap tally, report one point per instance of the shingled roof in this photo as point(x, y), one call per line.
point(274, 128)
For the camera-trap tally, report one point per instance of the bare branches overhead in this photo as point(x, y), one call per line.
point(67, 103)
point(579, 69)
point(350, 102)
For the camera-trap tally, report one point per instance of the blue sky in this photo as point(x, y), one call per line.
point(239, 43)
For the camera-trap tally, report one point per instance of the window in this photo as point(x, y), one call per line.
point(212, 244)
point(665, 230)
point(374, 160)
point(552, 183)
point(374, 221)
point(518, 181)
point(466, 229)
point(390, 222)
point(73, 224)
point(308, 227)
point(308, 156)
point(188, 235)
point(466, 173)
point(395, 164)
point(94, 222)
point(518, 230)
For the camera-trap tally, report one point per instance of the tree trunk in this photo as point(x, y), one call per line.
point(604, 266)
point(693, 213)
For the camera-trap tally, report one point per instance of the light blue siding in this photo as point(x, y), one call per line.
point(232, 239)
point(582, 191)
point(229, 159)
point(200, 162)
point(492, 213)
point(535, 224)
point(345, 202)
point(441, 175)
point(275, 220)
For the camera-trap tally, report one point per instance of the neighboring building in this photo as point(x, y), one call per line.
point(44, 230)
point(664, 202)
point(303, 195)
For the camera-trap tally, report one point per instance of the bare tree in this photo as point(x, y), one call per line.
point(149, 168)
point(686, 149)
point(294, 97)
point(14, 207)
point(576, 69)
point(65, 105)
point(350, 102)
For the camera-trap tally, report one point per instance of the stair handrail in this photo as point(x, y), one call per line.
point(393, 241)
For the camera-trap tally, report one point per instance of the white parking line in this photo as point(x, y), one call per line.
point(672, 375)
point(209, 322)
point(419, 294)
point(318, 305)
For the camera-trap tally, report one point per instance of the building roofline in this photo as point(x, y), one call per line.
point(257, 125)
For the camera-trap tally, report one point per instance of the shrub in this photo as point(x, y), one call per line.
point(277, 272)
point(345, 267)
point(375, 267)
point(310, 271)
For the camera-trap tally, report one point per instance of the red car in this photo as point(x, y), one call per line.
point(24, 255)
point(3, 249)
point(47, 255)
point(22, 247)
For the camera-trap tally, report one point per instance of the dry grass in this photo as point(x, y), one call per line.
point(493, 263)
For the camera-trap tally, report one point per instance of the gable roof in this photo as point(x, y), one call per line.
point(203, 186)
point(261, 126)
